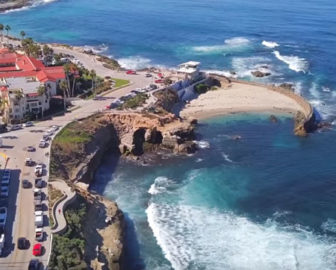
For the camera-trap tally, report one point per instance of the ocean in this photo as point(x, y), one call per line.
point(266, 201)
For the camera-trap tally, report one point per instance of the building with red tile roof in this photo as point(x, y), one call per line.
point(22, 74)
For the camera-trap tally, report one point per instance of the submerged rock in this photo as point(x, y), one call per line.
point(260, 74)
point(273, 119)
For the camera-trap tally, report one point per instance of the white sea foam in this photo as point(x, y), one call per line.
point(243, 66)
point(233, 44)
point(270, 44)
point(160, 185)
point(227, 158)
point(201, 238)
point(203, 144)
point(294, 62)
point(102, 48)
point(225, 73)
point(134, 62)
point(34, 4)
point(329, 225)
point(199, 160)
point(326, 89)
point(314, 91)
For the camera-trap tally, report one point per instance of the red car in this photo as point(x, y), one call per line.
point(131, 72)
point(159, 81)
point(37, 250)
point(160, 75)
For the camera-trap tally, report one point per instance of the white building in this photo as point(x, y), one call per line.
point(190, 69)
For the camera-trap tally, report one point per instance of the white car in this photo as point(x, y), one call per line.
point(4, 191)
point(39, 234)
point(28, 124)
point(55, 127)
point(42, 144)
point(38, 170)
point(3, 216)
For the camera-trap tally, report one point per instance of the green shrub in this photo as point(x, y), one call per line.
point(201, 88)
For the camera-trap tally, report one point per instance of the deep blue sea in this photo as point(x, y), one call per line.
point(264, 202)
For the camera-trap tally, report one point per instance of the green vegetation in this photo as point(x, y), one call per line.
point(120, 82)
point(68, 249)
point(201, 88)
point(135, 102)
point(31, 48)
point(72, 135)
point(54, 195)
point(108, 62)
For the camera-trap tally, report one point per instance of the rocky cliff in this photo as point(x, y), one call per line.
point(77, 151)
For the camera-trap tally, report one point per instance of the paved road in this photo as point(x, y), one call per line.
point(21, 212)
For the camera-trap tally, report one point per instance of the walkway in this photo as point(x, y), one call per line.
point(58, 211)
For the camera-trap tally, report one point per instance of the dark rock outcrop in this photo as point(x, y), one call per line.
point(260, 74)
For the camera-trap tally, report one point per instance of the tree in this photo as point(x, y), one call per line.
point(7, 28)
point(1, 30)
point(64, 88)
point(93, 78)
point(22, 34)
point(47, 50)
point(18, 95)
point(41, 90)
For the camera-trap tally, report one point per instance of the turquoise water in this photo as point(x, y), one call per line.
point(264, 202)
point(223, 34)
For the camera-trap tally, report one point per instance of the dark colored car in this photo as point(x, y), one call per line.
point(23, 243)
point(25, 183)
point(38, 183)
point(34, 264)
point(31, 149)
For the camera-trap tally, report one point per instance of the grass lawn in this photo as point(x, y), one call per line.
point(120, 82)
point(72, 134)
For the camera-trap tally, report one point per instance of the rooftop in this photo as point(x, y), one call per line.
point(26, 84)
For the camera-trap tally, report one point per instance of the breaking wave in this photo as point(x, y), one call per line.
point(227, 158)
point(203, 144)
point(294, 62)
point(135, 62)
point(270, 44)
point(160, 185)
point(201, 238)
point(233, 44)
point(97, 49)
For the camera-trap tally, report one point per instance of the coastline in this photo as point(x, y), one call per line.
point(18, 4)
point(242, 97)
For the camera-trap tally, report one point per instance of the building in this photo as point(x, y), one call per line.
point(26, 85)
point(190, 69)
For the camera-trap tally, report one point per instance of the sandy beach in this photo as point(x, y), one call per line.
point(241, 98)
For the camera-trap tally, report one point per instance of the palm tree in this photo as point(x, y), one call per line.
point(1, 30)
point(41, 90)
point(7, 28)
point(22, 34)
point(93, 78)
point(64, 87)
point(18, 95)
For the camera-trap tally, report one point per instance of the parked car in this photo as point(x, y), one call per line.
point(25, 183)
point(5, 179)
point(37, 194)
point(31, 149)
point(38, 206)
point(55, 127)
point(4, 191)
point(29, 162)
point(148, 75)
point(37, 249)
point(131, 72)
point(38, 170)
point(23, 243)
point(45, 137)
point(153, 86)
point(34, 264)
point(39, 221)
point(15, 127)
point(39, 234)
point(38, 183)
point(28, 124)
point(2, 239)
point(158, 81)
point(6, 172)
point(3, 216)
point(42, 144)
